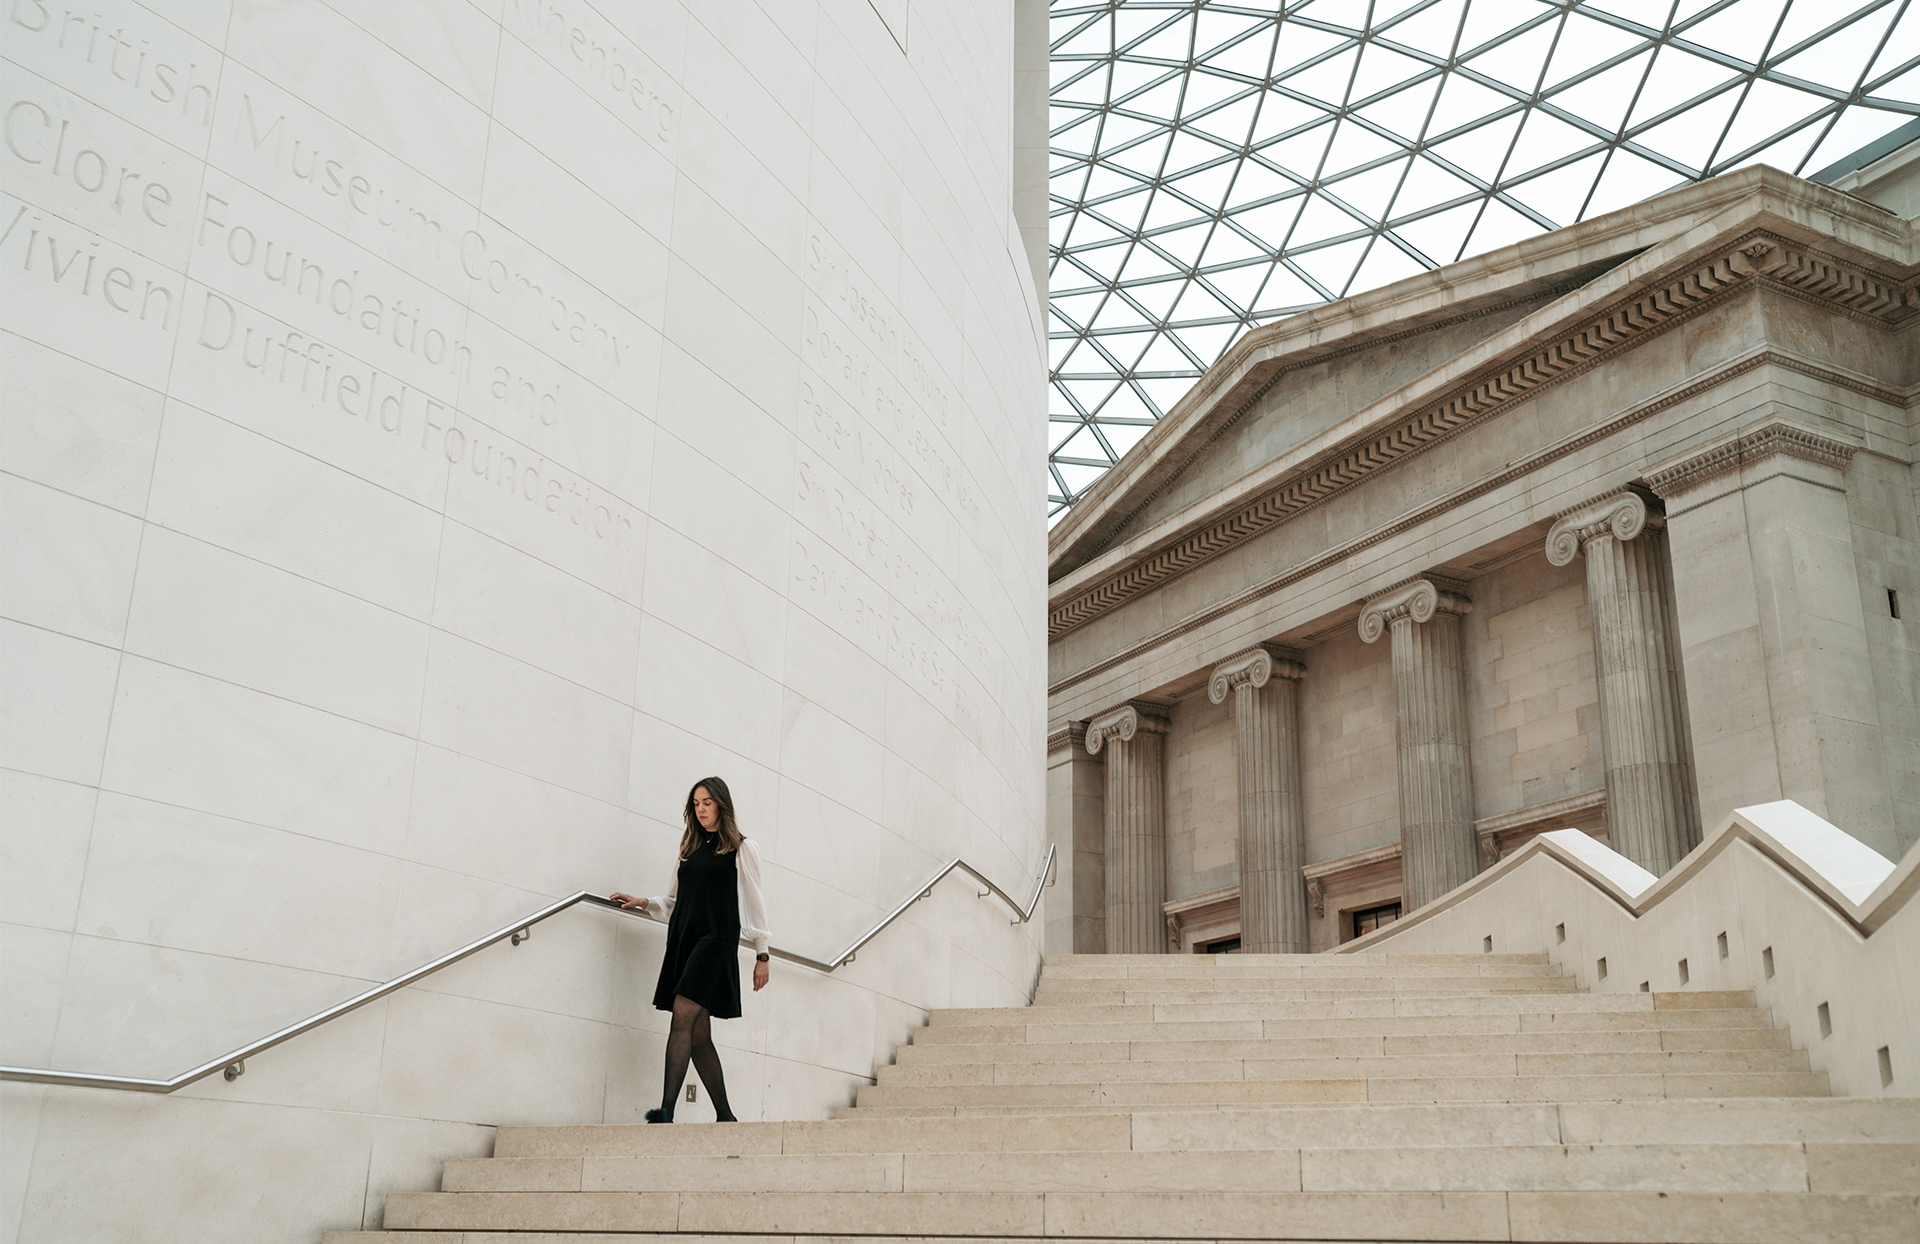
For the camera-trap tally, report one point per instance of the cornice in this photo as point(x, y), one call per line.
point(1756, 259)
point(1515, 470)
point(1071, 734)
point(1756, 444)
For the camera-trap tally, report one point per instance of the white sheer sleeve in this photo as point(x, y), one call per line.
point(753, 903)
point(664, 905)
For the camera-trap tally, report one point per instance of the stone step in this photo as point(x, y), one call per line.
point(1620, 1217)
point(1207, 1093)
point(1326, 969)
point(1530, 979)
point(1070, 964)
point(1610, 1042)
point(1344, 1008)
point(1803, 1120)
point(1341, 1026)
point(1147, 994)
point(1070, 1068)
point(1857, 1167)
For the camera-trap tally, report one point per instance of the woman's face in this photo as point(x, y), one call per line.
point(705, 809)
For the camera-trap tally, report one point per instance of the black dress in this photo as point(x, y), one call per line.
point(702, 962)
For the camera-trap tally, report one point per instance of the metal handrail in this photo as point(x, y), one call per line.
point(234, 1064)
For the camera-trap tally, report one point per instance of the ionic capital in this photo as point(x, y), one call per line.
point(1622, 515)
point(1123, 723)
point(1253, 668)
point(1418, 599)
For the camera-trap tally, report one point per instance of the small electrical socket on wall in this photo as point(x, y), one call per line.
point(693, 1093)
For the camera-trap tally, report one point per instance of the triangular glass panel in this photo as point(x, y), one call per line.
point(1856, 128)
point(1371, 192)
point(1740, 30)
point(1285, 293)
point(1089, 394)
point(1431, 30)
point(1283, 115)
point(1649, 13)
point(1325, 81)
point(1690, 137)
point(1269, 224)
point(1205, 90)
point(1603, 98)
point(1157, 298)
point(1089, 87)
point(1517, 63)
point(1404, 113)
point(1353, 145)
point(1543, 140)
point(1321, 220)
point(1500, 226)
point(1384, 264)
point(1333, 266)
point(1174, 41)
point(1677, 78)
point(1185, 244)
point(1558, 195)
point(1480, 153)
point(1156, 101)
point(1464, 102)
point(1804, 20)
point(1768, 109)
point(1188, 151)
point(1240, 286)
point(1166, 393)
point(1300, 155)
point(1229, 127)
point(1439, 236)
point(1208, 340)
point(1382, 69)
point(1077, 309)
point(1349, 14)
point(1487, 22)
point(1839, 60)
point(1164, 355)
point(1427, 185)
point(1585, 43)
point(1124, 436)
point(1628, 180)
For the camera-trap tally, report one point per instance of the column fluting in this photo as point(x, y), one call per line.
point(1136, 817)
point(1264, 683)
point(1652, 814)
point(1438, 850)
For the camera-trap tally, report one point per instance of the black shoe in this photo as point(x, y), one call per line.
point(659, 1116)
point(728, 1119)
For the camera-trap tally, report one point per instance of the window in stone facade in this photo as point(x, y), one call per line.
point(1367, 921)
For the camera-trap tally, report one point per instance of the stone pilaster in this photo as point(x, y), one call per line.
point(1133, 737)
point(1771, 611)
point(1438, 849)
point(1076, 795)
point(1652, 813)
point(1264, 683)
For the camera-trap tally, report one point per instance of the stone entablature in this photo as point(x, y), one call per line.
point(1584, 432)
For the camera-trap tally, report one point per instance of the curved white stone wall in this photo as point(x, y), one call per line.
point(435, 433)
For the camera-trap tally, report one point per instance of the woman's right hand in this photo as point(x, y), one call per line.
point(628, 901)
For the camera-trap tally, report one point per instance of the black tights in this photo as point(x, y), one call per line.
point(691, 1037)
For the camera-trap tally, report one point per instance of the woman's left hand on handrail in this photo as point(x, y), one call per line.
point(628, 901)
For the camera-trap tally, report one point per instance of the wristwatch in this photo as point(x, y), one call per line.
point(761, 958)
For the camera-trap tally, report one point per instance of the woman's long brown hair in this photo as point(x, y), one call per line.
point(728, 829)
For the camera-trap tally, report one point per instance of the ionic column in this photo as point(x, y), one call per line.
point(1264, 683)
point(1438, 850)
point(1136, 816)
point(1652, 815)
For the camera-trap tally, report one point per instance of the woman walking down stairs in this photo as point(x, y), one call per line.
point(1369, 1097)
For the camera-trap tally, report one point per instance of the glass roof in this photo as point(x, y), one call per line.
point(1218, 166)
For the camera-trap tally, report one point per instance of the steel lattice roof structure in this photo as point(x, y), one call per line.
point(1216, 166)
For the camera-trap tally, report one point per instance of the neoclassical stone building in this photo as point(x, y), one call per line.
point(1613, 529)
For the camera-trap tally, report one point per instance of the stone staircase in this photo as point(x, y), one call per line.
point(1363, 1097)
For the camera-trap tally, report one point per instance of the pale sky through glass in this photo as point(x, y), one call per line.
point(1219, 166)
